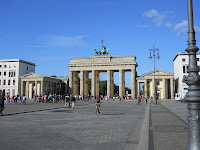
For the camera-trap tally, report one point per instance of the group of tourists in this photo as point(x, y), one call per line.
point(141, 99)
point(48, 98)
point(15, 98)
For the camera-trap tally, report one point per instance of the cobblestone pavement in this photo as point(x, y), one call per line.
point(178, 108)
point(167, 130)
point(117, 128)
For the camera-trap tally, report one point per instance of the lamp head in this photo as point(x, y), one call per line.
point(150, 57)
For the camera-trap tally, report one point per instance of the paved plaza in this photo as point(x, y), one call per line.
point(121, 126)
point(52, 127)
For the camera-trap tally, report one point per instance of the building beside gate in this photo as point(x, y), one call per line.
point(97, 64)
point(181, 62)
point(35, 84)
point(10, 72)
point(163, 81)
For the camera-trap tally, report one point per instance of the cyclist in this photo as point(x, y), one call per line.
point(98, 103)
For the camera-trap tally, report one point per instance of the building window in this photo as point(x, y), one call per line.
point(11, 73)
point(13, 82)
point(158, 83)
point(4, 82)
point(183, 59)
point(0, 66)
point(197, 59)
point(14, 66)
point(4, 73)
point(0, 82)
point(0, 73)
point(183, 69)
point(9, 66)
point(27, 68)
point(8, 82)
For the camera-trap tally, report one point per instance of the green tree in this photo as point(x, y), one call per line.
point(103, 87)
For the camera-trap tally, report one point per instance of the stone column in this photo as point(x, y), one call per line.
point(59, 88)
point(172, 88)
point(56, 89)
point(153, 89)
point(164, 89)
point(133, 95)
point(138, 88)
point(108, 84)
point(30, 90)
point(86, 83)
point(42, 88)
point(45, 87)
point(121, 83)
point(93, 86)
point(82, 83)
point(36, 88)
point(75, 83)
point(112, 84)
point(124, 91)
point(50, 88)
point(70, 82)
point(53, 88)
point(97, 83)
point(145, 88)
point(22, 88)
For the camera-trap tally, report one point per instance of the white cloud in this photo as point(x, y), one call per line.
point(168, 24)
point(157, 18)
point(182, 27)
point(62, 41)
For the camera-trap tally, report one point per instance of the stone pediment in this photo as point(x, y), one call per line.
point(32, 75)
point(159, 73)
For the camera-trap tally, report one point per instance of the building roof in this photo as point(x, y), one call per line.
point(179, 53)
point(17, 60)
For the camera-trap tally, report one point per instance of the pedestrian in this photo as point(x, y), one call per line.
point(139, 100)
point(20, 99)
point(146, 100)
point(120, 99)
point(6, 98)
point(151, 99)
point(67, 99)
point(73, 100)
point(16, 98)
point(2, 98)
point(24, 99)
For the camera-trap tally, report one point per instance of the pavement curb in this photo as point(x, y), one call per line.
point(144, 138)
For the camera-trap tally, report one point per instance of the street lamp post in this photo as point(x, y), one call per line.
point(154, 50)
point(193, 82)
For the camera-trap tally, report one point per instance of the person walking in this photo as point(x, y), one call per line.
point(2, 98)
point(24, 99)
point(139, 100)
point(6, 98)
point(73, 100)
point(67, 99)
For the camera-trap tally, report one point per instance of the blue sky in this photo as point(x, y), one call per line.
point(49, 32)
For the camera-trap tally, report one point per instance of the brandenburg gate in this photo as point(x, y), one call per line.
point(97, 64)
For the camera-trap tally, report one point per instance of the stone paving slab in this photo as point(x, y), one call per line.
point(167, 131)
point(178, 108)
point(117, 128)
